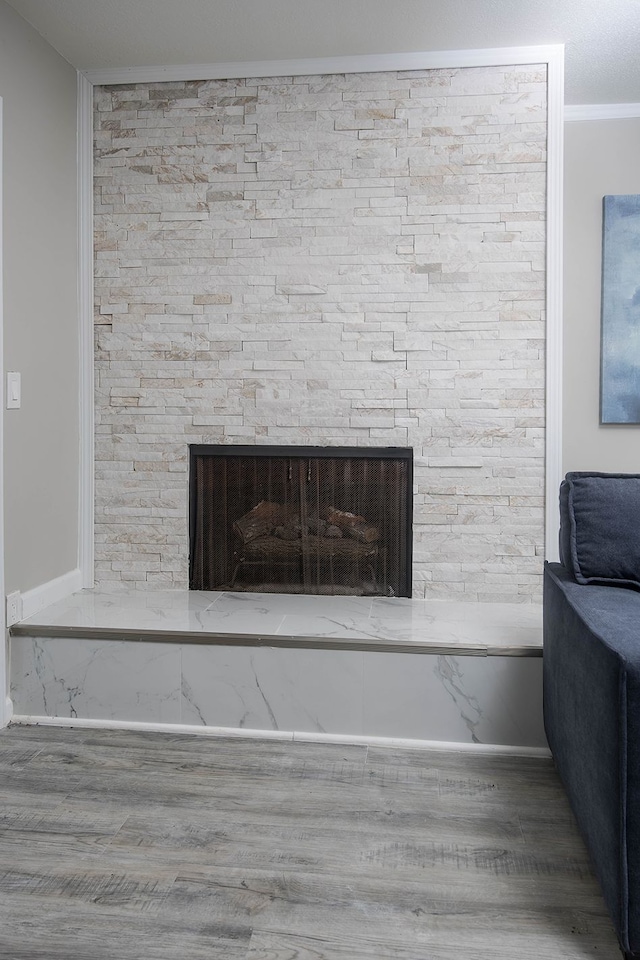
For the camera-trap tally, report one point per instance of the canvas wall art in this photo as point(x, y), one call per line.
point(620, 374)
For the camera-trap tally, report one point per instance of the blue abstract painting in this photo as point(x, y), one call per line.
point(620, 376)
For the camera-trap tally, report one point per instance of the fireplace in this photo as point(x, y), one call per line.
point(312, 520)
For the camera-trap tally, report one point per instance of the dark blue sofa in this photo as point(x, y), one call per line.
point(592, 680)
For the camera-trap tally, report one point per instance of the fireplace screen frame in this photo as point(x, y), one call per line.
point(310, 453)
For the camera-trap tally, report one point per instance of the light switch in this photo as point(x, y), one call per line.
point(13, 391)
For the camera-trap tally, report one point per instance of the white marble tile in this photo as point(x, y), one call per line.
point(417, 696)
point(464, 699)
point(493, 699)
point(357, 618)
point(329, 626)
point(272, 689)
point(456, 633)
point(219, 688)
point(135, 610)
point(296, 604)
point(404, 698)
point(497, 635)
point(95, 679)
point(510, 693)
point(501, 614)
point(426, 630)
point(401, 608)
point(238, 621)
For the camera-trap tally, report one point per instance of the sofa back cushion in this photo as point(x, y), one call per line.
point(600, 527)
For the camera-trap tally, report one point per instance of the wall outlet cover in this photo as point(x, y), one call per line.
point(14, 607)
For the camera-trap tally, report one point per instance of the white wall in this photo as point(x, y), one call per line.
point(38, 89)
point(601, 157)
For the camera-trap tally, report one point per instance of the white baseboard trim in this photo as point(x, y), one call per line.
point(450, 746)
point(241, 733)
point(7, 715)
point(35, 600)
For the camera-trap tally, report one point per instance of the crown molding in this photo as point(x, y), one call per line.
point(574, 113)
point(369, 63)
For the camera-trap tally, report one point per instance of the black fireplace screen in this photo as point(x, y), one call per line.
point(314, 520)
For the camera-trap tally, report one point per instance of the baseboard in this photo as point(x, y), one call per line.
point(35, 600)
point(8, 712)
point(450, 746)
point(241, 733)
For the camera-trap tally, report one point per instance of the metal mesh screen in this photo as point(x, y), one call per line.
point(301, 524)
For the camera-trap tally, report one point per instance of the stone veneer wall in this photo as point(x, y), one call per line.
point(352, 260)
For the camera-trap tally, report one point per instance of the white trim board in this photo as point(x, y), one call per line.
point(288, 736)
point(575, 113)
point(552, 56)
point(35, 600)
point(6, 706)
point(554, 301)
point(85, 329)
point(369, 63)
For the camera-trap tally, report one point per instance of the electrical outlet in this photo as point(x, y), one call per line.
point(14, 607)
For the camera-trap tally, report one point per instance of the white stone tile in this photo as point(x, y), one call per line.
point(368, 225)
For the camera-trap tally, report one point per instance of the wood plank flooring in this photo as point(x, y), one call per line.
point(121, 845)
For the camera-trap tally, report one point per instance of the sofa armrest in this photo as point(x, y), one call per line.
point(592, 720)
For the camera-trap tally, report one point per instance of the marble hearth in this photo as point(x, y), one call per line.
point(296, 665)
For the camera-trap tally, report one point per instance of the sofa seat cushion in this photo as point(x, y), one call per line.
point(600, 528)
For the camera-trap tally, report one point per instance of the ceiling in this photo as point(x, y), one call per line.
point(601, 36)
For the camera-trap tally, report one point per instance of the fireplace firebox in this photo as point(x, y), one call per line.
point(313, 520)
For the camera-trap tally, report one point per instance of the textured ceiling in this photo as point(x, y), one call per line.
point(601, 36)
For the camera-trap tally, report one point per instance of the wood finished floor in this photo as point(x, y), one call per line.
point(136, 846)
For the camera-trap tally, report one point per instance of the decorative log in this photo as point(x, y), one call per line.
point(364, 532)
point(342, 519)
point(317, 526)
point(324, 548)
point(287, 532)
point(353, 525)
point(260, 521)
point(292, 529)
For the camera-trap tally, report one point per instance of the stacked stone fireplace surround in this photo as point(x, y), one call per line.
point(351, 260)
